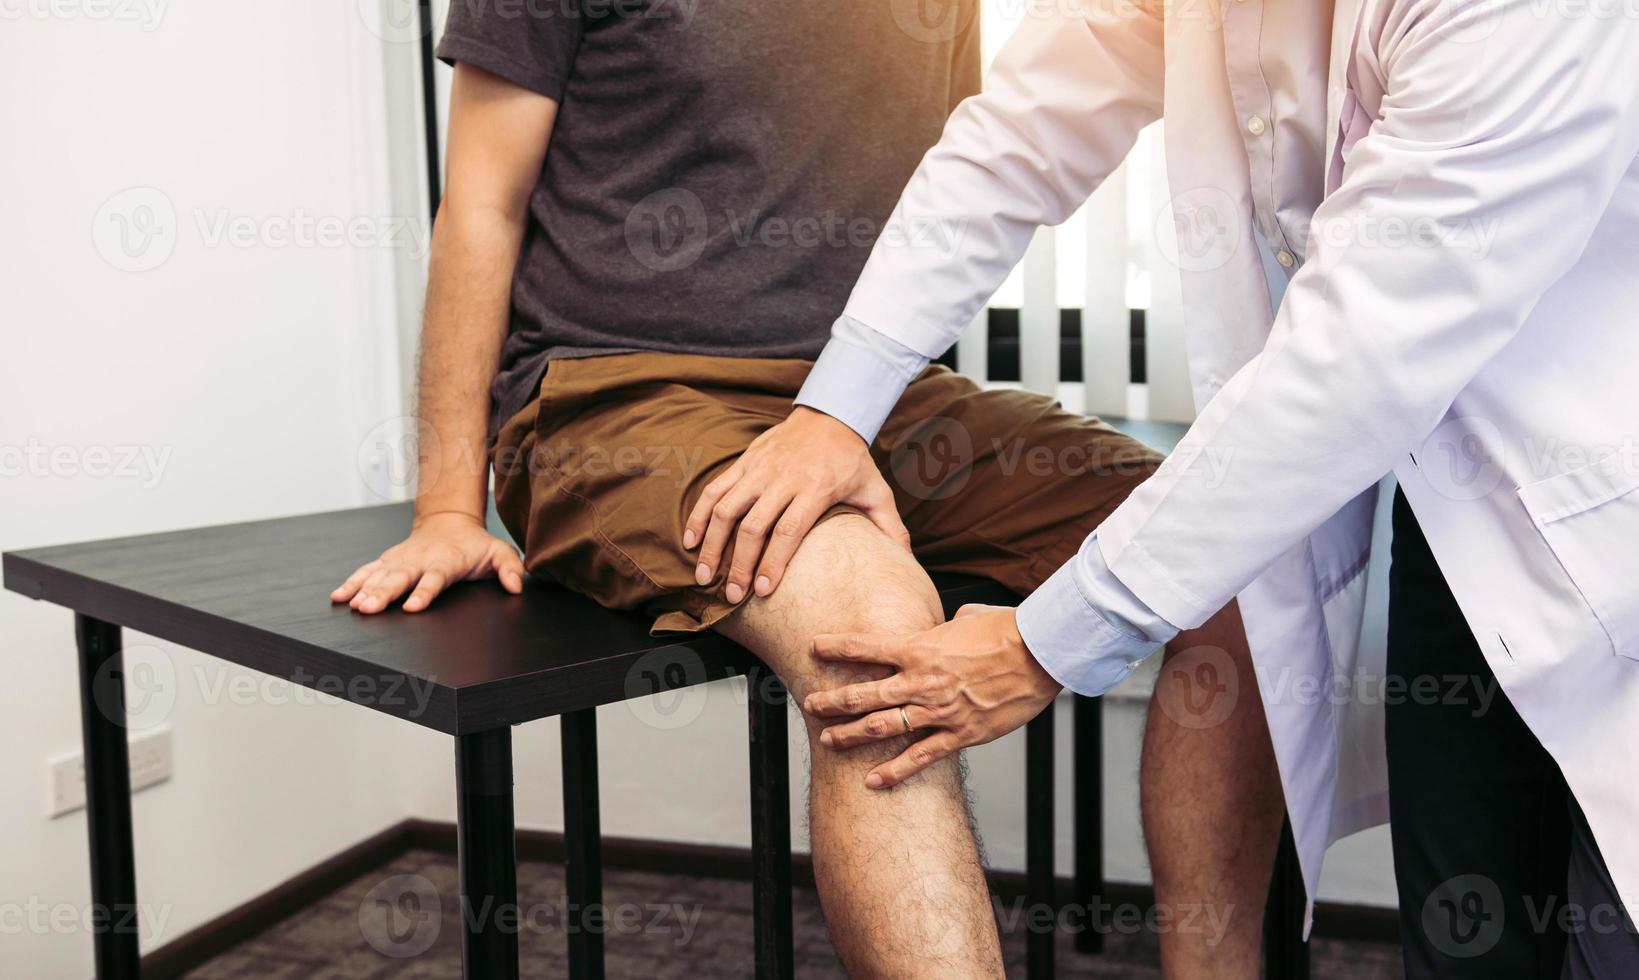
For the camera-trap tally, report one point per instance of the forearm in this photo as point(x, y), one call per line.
point(468, 295)
point(1063, 104)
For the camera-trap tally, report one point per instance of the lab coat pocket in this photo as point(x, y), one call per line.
point(1590, 519)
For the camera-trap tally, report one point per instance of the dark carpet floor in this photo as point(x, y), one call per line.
point(402, 921)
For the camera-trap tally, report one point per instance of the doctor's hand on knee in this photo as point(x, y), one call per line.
point(769, 499)
point(966, 682)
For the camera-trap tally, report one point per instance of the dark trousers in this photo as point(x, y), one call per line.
point(1496, 869)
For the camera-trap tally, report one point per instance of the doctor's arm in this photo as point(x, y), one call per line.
point(1504, 133)
point(1062, 105)
point(1498, 155)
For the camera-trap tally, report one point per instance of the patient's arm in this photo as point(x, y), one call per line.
point(497, 143)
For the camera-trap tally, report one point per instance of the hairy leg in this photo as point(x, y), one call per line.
point(1212, 802)
point(898, 870)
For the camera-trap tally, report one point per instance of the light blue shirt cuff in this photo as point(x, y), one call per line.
point(1086, 628)
point(859, 377)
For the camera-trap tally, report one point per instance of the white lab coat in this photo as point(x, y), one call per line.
point(1463, 314)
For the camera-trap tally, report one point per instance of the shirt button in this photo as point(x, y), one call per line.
point(1285, 259)
point(1256, 125)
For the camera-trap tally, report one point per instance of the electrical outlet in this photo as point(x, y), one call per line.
point(151, 761)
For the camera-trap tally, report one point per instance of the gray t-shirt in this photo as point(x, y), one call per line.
point(719, 169)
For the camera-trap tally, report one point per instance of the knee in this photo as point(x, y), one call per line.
point(871, 584)
point(855, 580)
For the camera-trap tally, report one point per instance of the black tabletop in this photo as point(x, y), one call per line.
point(257, 594)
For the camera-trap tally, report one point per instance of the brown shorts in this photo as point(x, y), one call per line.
point(596, 477)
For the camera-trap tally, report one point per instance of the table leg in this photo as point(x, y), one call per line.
point(487, 853)
point(108, 798)
point(770, 826)
point(1038, 845)
point(1286, 955)
point(582, 844)
point(1089, 822)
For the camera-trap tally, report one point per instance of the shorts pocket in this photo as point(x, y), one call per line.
point(1589, 518)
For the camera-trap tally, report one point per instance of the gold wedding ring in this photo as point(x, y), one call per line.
point(905, 717)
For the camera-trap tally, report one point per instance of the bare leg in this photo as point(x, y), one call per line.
point(1212, 802)
point(898, 870)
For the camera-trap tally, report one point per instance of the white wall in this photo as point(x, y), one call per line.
point(247, 371)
